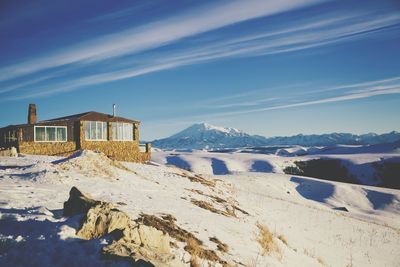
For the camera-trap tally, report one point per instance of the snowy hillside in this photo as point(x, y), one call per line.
point(369, 165)
point(209, 137)
point(244, 219)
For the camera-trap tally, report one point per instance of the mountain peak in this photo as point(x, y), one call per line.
point(206, 136)
point(204, 126)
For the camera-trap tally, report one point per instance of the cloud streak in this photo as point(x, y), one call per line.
point(362, 90)
point(294, 36)
point(155, 34)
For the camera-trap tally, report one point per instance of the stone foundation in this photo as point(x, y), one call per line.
point(118, 150)
point(47, 148)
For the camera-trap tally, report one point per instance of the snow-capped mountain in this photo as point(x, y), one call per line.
point(206, 136)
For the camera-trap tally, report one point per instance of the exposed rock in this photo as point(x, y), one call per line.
point(341, 209)
point(78, 203)
point(143, 245)
point(126, 248)
point(103, 219)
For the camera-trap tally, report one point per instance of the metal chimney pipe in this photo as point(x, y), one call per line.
point(114, 110)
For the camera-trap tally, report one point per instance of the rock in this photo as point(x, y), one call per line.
point(151, 238)
point(341, 209)
point(13, 152)
point(125, 248)
point(78, 203)
point(103, 219)
point(143, 245)
point(8, 152)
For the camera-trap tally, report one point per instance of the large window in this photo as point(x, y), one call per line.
point(95, 130)
point(50, 133)
point(122, 131)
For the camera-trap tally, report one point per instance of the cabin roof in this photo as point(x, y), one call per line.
point(90, 115)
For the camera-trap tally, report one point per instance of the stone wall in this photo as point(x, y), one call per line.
point(47, 148)
point(118, 150)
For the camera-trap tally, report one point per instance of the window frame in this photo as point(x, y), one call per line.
point(123, 131)
point(104, 131)
point(45, 133)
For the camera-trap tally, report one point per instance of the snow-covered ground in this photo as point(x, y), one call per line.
point(307, 216)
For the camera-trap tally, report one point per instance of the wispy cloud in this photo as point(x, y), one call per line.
point(298, 35)
point(359, 91)
point(155, 34)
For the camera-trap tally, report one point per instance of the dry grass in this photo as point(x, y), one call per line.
point(193, 177)
point(228, 212)
point(197, 251)
point(266, 240)
point(230, 208)
point(194, 249)
point(199, 179)
point(167, 224)
point(220, 246)
point(282, 238)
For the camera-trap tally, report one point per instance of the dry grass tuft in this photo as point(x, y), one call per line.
point(229, 212)
point(266, 240)
point(230, 209)
point(166, 225)
point(199, 179)
point(197, 251)
point(221, 246)
point(282, 238)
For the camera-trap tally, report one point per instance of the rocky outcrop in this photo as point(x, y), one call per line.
point(78, 203)
point(137, 242)
point(103, 219)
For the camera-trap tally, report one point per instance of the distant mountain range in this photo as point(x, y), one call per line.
point(209, 137)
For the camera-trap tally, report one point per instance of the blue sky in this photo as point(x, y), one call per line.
point(266, 67)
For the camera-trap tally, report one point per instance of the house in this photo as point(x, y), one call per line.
point(116, 137)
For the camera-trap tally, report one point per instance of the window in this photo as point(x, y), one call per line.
point(95, 130)
point(10, 136)
point(50, 133)
point(122, 131)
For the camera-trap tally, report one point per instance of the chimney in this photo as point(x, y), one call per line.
point(32, 119)
point(114, 110)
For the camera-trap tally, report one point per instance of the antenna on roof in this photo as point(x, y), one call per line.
point(114, 110)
